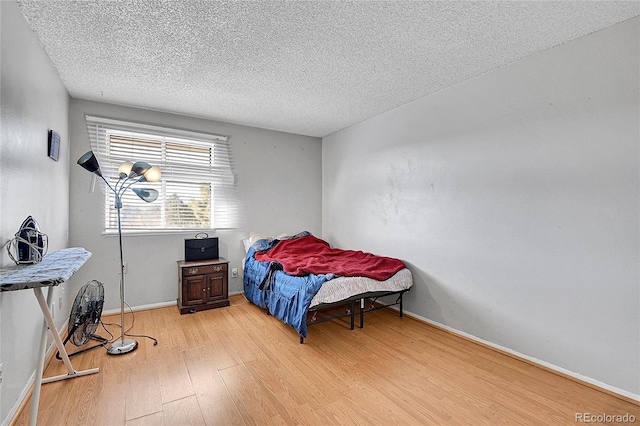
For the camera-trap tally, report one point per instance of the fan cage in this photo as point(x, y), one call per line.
point(86, 312)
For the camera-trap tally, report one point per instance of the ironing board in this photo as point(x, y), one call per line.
point(55, 268)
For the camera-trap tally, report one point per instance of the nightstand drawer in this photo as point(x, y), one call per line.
point(204, 270)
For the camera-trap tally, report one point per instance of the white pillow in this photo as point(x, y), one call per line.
point(246, 244)
point(255, 236)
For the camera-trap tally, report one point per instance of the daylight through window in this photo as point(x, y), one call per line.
point(197, 189)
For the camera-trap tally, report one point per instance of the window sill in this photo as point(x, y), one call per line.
point(157, 232)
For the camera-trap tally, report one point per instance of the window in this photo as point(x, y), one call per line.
point(197, 189)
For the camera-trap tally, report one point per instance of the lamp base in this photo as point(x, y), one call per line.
point(122, 347)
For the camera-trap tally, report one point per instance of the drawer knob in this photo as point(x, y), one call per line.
point(193, 271)
point(217, 268)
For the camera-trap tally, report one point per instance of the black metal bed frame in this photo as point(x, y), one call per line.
point(350, 311)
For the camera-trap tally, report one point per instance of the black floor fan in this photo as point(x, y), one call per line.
point(85, 317)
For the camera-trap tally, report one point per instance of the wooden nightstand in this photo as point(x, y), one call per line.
point(203, 284)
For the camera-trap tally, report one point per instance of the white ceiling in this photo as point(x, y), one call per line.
point(306, 67)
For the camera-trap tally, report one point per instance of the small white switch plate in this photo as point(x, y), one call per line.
point(234, 272)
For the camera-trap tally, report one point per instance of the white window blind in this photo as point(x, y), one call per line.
point(197, 189)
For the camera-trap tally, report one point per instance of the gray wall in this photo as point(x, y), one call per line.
point(514, 199)
point(34, 100)
point(279, 185)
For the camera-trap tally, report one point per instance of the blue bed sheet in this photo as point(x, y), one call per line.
point(286, 297)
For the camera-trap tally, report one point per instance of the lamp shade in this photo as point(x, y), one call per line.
point(148, 195)
point(89, 162)
point(125, 169)
point(153, 174)
point(139, 168)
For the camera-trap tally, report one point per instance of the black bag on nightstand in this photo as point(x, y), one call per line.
point(201, 247)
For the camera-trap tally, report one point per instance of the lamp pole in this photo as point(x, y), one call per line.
point(129, 173)
point(124, 345)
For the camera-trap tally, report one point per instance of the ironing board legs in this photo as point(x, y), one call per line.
point(50, 324)
point(35, 395)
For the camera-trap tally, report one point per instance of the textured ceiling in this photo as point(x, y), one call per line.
point(310, 68)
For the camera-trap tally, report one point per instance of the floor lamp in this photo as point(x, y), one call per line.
point(128, 174)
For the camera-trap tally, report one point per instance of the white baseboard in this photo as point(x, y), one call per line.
point(527, 358)
point(27, 387)
point(25, 391)
point(155, 305)
point(506, 350)
point(141, 307)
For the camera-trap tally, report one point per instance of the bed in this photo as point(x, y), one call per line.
point(296, 277)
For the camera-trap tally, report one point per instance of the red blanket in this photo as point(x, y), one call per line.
point(311, 255)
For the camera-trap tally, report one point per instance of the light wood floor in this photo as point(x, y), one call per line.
point(236, 365)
